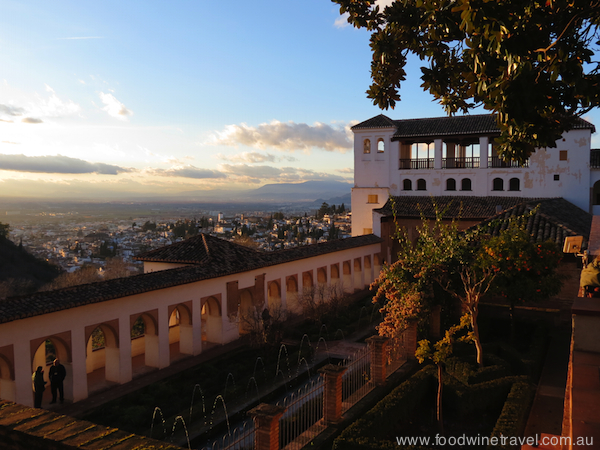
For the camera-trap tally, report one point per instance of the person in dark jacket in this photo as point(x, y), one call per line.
point(39, 386)
point(57, 375)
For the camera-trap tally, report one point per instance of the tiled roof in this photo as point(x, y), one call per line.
point(223, 258)
point(475, 125)
point(555, 219)
point(465, 207)
point(379, 121)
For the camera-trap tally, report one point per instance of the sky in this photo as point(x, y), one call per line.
point(116, 100)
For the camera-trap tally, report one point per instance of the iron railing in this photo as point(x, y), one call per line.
point(356, 381)
point(595, 158)
point(419, 163)
point(241, 438)
point(301, 422)
point(496, 162)
point(462, 162)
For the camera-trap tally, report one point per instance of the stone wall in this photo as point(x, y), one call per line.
point(25, 428)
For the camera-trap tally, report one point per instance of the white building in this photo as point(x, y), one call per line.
point(456, 156)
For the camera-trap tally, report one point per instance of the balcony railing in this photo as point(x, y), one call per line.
point(595, 158)
point(463, 162)
point(495, 161)
point(421, 163)
point(473, 162)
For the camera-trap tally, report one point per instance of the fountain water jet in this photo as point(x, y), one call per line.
point(212, 415)
point(157, 409)
point(180, 419)
point(192, 404)
point(248, 387)
point(227, 382)
point(283, 347)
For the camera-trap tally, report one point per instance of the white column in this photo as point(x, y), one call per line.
point(484, 150)
point(163, 336)
point(196, 327)
point(78, 368)
point(125, 360)
point(23, 373)
point(437, 154)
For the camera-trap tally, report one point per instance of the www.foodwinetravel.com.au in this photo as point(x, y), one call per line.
point(464, 440)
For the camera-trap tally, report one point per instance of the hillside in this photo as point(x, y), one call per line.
point(21, 272)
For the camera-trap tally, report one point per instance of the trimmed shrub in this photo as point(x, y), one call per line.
point(515, 412)
point(367, 432)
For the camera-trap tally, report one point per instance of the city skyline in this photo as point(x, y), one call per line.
point(120, 100)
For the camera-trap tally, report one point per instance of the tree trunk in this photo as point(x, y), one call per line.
point(476, 339)
point(440, 419)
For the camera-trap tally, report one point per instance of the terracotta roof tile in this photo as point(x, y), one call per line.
point(223, 258)
point(474, 125)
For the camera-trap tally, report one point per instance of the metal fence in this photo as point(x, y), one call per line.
point(356, 381)
point(301, 422)
point(241, 438)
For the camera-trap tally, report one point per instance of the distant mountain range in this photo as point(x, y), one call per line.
point(307, 192)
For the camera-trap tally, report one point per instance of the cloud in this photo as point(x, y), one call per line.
point(9, 142)
point(31, 120)
point(255, 157)
point(345, 170)
point(288, 136)
point(9, 110)
point(56, 164)
point(342, 21)
point(188, 172)
point(114, 107)
point(255, 174)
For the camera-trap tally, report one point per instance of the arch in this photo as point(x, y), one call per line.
point(102, 360)
point(291, 293)
point(7, 377)
point(450, 184)
point(358, 274)
point(514, 184)
point(368, 270)
point(181, 339)
point(347, 272)
point(497, 184)
point(246, 310)
point(465, 184)
point(367, 146)
point(596, 193)
point(421, 184)
point(380, 145)
point(45, 350)
point(335, 284)
point(307, 279)
point(273, 295)
point(322, 275)
point(212, 324)
point(144, 342)
point(407, 184)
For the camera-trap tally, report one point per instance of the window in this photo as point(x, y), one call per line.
point(563, 155)
point(450, 184)
point(380, 145)
point(514, 184)
point(407, 185)
point(372, 199)
point(367, 230)
point(367, 146)
point(498, 184)
point(556, 177)
point(465, 184)
point(421, 184)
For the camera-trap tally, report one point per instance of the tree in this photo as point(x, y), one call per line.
point(4, 229)
point(529, 62)
point(467, 265)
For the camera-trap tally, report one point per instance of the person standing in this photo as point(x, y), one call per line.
point(57, 375)
point(39, 386)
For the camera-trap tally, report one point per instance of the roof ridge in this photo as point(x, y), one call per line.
point(208, 255)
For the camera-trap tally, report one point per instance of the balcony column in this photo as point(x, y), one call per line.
point(437, 153)
point(484, 152)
